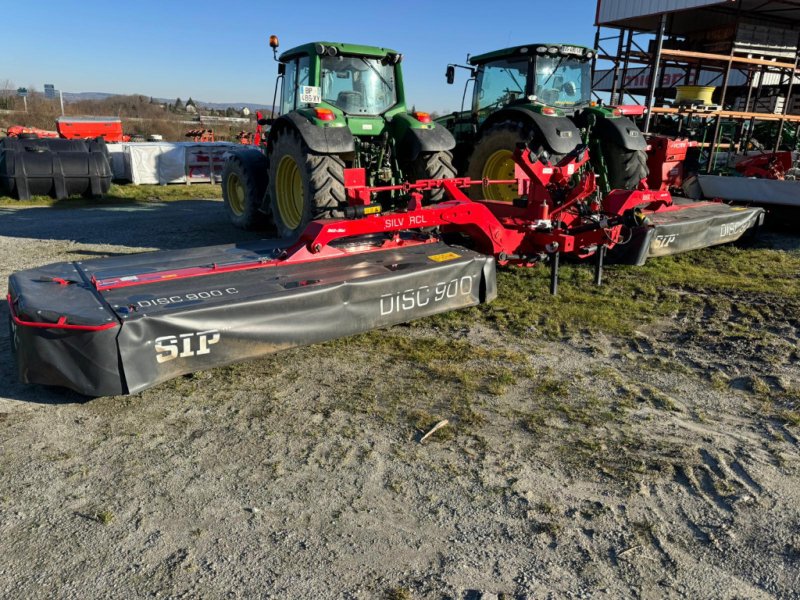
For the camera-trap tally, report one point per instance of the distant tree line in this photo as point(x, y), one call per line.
point(140, 114)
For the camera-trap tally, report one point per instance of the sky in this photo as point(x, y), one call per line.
point(218, 50)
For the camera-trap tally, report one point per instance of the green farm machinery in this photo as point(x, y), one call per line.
point(540, 95)
point(341, 106)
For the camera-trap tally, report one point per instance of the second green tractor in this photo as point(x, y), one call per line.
point(540, 95)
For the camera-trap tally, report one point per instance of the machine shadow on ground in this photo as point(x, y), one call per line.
point(164, 225)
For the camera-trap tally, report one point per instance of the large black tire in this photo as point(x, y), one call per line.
point(432, 165)
point(492, 158)
point(626, 168)
point(303, 186)
point(244, 183)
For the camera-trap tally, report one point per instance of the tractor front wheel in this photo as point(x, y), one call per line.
point(432, 165)
point(303, 186)
point(244, 182)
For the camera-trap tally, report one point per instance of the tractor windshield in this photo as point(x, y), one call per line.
point(358, 85)
point(501, 82)
point(563, 81)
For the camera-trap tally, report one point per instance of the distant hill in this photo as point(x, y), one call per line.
point(79, 96)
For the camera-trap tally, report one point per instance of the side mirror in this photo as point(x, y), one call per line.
point(450, 74)
point(282, 69)
point(266, 122)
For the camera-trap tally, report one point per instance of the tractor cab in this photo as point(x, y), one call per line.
point(545, 75)
point(342, 84)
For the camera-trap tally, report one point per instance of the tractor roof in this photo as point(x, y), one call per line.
point(528, 49)
point(352, 49)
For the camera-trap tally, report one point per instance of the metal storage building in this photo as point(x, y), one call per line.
point(747, 49)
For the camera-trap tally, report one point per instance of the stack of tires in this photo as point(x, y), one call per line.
point(31, 166)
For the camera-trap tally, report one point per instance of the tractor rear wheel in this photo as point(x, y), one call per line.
point(625, 168)
point(432, 165)
point(493, 158)
point(303, 186)
point(244, 182)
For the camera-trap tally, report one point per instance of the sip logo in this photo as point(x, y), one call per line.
point(170, 347)
point(664, 241)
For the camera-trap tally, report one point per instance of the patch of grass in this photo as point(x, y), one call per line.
point(121, 194)
point(546, 507)
point(659, 400)
point(395, 485)
point(423, 421)
point(631, 296)
point(551, 528)
point(104, 517)
point(667, 365)
point(398, 593)
point(790, 417)
point(590, 510)
point(756, 386)
point(443, 378)
point(645, 530)
point(499, 383)
point(719, 381)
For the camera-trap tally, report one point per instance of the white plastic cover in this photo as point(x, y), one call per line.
point(746, 189)
point(156, 162)
point(120, 167)
point(168, 162)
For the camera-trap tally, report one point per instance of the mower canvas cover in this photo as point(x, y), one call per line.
point(69, 330)
point(687, 225)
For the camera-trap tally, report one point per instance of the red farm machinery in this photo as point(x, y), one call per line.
point(391, 249)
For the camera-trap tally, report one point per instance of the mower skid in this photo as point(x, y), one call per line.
point(686, 226)
point(68, 330)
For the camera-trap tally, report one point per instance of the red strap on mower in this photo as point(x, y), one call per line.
point(60, 324)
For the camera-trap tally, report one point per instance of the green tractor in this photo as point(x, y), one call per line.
point(540, 95)
point(341, 106)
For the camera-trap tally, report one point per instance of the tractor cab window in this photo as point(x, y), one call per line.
point(358, 85)
point(562, 81)
point(501, 82)
point(296, 75)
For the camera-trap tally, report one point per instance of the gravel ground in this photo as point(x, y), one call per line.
point(591, 466)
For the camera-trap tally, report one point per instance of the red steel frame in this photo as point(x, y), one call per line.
point(514, 234)
point(562, 214)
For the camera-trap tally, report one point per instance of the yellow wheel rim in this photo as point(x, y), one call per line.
point(289, 189)
point(500, 165)
point(235, 194)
